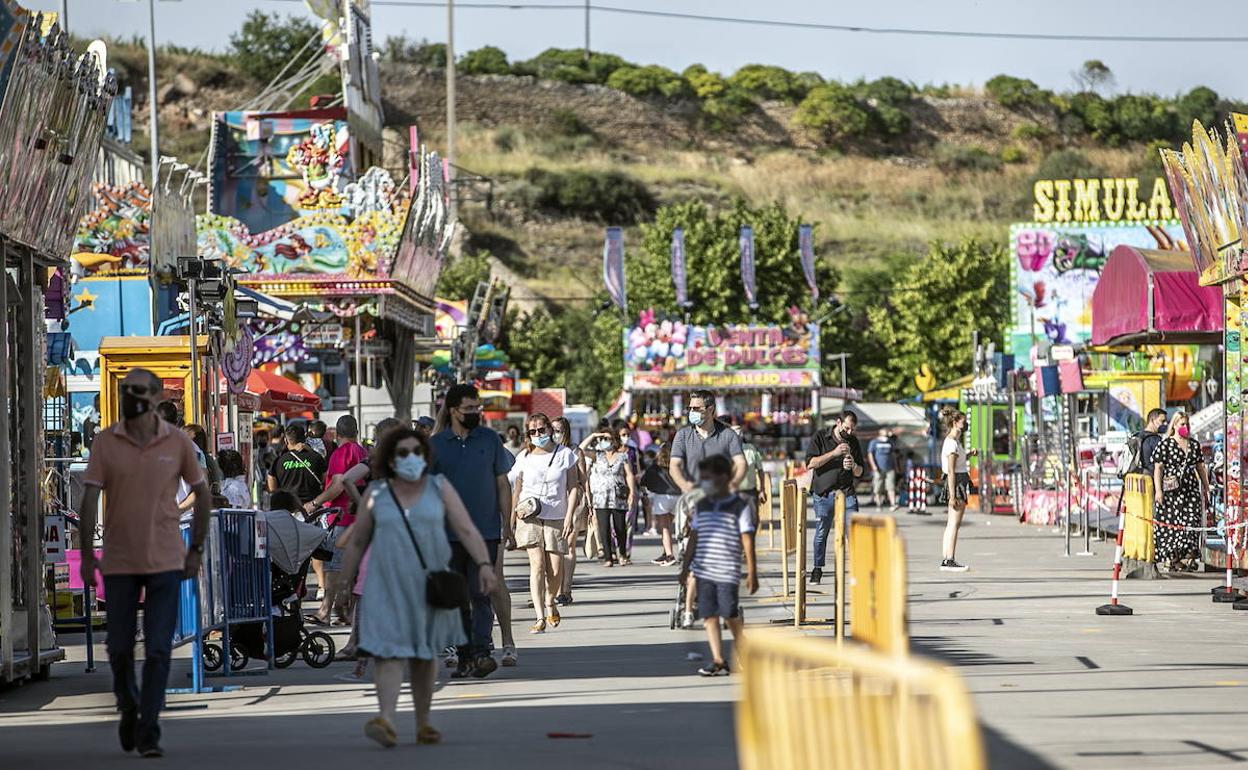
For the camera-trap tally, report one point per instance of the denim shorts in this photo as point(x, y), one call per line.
point(718, 600)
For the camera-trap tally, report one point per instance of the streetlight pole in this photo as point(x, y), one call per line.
point(450, 104)
point(65, 16)
point(151, 89)
point(587, 31)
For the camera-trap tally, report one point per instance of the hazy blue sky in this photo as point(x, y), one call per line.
point(1161, 67)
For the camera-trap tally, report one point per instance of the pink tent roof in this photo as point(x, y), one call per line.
point(1146, 297)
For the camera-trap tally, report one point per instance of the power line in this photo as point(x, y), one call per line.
point(782, 23)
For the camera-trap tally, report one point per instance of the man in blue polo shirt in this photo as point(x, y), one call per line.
point(476, 463)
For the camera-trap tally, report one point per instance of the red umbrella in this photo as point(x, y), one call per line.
point(279, 394)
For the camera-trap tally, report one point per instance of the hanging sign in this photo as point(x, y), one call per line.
point(746, 240)
point(613, 266)
point(1100, 200)
point(679, 276)
point(55, 539)
point(806, 247)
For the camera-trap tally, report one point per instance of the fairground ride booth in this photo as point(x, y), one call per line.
point(294, 219)
point(767, 374)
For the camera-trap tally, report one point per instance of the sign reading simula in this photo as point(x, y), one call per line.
point(1100, 200)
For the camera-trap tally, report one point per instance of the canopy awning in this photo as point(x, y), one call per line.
point(1149, 297)
point(279, 394)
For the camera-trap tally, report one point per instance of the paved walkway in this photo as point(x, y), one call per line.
point(1056, 685)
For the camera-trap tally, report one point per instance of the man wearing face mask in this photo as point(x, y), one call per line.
point(139, 462)
point(472, 457)
point(704, 437)
point(835, 458)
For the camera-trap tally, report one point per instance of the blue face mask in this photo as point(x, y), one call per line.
point(410, 468)
point(542, 440)
point(695, 418)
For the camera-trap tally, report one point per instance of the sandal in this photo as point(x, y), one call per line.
point(553, 618)
point(538, 627)
point(427, 736)
point(379, 730)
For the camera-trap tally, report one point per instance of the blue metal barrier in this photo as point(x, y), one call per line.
point(232, 587)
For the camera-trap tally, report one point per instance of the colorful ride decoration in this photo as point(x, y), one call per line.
point(320, 161)
point(1210, 187)
point(115, 236)
point(1055, 270)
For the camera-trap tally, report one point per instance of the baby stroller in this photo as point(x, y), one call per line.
point(291, 544)
point(684, 514)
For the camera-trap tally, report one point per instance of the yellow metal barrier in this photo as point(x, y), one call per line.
point(878, 583)
point(788, 530)
point(1137, 531)
point(809, 705)
point(799, 567)
point(766, 514)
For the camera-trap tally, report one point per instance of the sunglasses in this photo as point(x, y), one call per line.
point(537, 432)
point(698, 408)
point(135, 390)
point(404, 451)
point(474, 410)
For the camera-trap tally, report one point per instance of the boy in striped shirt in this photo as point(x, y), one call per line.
point(721, 530)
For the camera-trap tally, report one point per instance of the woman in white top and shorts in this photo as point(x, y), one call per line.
point(546, 476)
point(957, 478)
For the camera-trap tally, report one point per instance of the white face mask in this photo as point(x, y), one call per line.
point(695, 418)
point(541, 440)
point(602, 446)
point(410, 468)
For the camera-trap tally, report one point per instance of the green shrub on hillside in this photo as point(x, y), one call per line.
point(705, 84)
point(485, 61)
point(569, 65)
point(565, 122)
point(1031, 132)
point(609, 197)
point(1198, 104)
point(1068, 164)
point(1141, 118)
point(1013, 154)
point(1014, 93)
point(887, 90)
point(650, 80)
point(266, 43)
point(721, 106)
point(458, 279)
point(767, 82)
point(952, 158)
point(402, 50)
point(835, 112)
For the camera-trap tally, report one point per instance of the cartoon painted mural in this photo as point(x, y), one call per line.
point(1055, 269)
point(115, 235)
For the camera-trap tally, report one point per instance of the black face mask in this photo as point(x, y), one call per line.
point(132, 406)
point(471, 420)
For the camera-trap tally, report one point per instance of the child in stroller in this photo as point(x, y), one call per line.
point(292, 544)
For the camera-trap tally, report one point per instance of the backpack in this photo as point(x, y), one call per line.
point(1132, 457)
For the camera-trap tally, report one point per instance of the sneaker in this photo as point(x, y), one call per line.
point(816, 575)
point(715, 669)
point(151, 751)
point(661, 561)
point(128, 729)
point(625, 561)
point(687, 620)
point(462, 670)
point(949, 565)
point(452, 657)
point(510, 658)
point(563, 599)
point(484, 666)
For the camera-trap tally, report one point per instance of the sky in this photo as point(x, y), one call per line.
point(1160, 67)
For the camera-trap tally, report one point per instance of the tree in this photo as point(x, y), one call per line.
point(485, 61)
point(834, 111)
point(459, 279)
point(401, 50)
point(534, 342)
point(650, 80)
point(764, 81)
point(1094, 76)
point(1201, 104)
point(934, 306)
point(1012, 92)
point(266, 43)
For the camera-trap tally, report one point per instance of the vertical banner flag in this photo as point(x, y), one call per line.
point(805, 241)
point(679, 277)
point(613, 266)
point(746, 240)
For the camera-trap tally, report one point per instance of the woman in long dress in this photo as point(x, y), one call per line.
point(1180, 487)
point(404, 518)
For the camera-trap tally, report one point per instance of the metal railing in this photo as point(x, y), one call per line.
point(809, 704)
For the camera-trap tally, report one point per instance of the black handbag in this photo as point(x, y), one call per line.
point(444, 589)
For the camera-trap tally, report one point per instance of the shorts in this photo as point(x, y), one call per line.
point(334, 564)
point(544, 533)
point(884, 481)
point(663, 505)
point(718, 600)
point(961, 487)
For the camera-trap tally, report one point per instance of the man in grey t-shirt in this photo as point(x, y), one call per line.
point(703, 437)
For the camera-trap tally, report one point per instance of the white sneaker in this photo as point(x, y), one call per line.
point(452, 657)
point(510, 658)
point(687, 620)
point(949, 565)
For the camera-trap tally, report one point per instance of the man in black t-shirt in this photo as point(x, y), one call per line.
point(835, 458)
point(298, 469)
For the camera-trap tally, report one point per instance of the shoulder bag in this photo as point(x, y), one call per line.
point(444, 589)
point(1172, 483)
point(530, 507)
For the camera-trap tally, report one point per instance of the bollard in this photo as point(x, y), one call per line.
point(1114, 608)
point(838, 550)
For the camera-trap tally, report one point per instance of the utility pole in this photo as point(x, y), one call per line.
point(587, 31)
point(151, 89)
point(64, 20)
point(450, 103)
